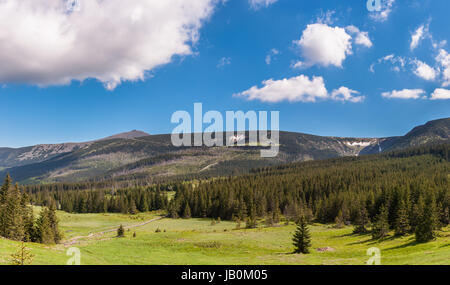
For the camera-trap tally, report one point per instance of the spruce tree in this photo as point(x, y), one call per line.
point(339, 221)
point(381, 226)
point(362, 220)
point(44, 228)
point(23, 256)
point(53, 220)
point(13, 217)
point(427, 223)
point(402, 225)
point(120, 231)
point(251, 222)
point(302, 237)
point(187, 211)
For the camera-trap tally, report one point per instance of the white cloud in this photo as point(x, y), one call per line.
point(324, 45)
point(443, 59)
point(48, 42)
point(385, 11)
point(346, 94)
point(421, 33)
point(424, 71)
point(440, 94)
point(273, 52)
point(294, 89)
point(224, 61)
point(362, 38)
point(398, 62)
point(297, 89)
point(258, 4)
point(404, 94)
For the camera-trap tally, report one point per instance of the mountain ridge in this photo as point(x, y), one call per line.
point(137, 154)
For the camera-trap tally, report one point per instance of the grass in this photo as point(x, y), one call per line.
point(198, 241)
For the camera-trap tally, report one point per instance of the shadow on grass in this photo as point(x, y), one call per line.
point(351, 235)
point(411, 243)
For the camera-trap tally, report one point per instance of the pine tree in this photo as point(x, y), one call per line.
point(14, 226)
point(29, 225)
point(251, 222)
point(362, 220)
point(4, 190)
point(120, 231)
point(302, 237)
point(44, 228)
point(339, 220)
point(381, 226)
point(187, 211)
point(427, 223)
point(23, 256)
point(402, 225)
point(5, 187)
point(133, 209)
point(53, 220)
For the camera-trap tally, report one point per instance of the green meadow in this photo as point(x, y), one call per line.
point(199, 241)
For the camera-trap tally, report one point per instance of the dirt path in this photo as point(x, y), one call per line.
point(74, 240)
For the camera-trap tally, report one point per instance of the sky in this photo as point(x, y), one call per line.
point(78, 70)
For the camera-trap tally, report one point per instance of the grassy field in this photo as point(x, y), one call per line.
point(198, 241)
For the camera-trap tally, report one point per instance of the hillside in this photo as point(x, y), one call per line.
point(136, 155)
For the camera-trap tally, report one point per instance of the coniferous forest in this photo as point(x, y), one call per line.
point(406, 191)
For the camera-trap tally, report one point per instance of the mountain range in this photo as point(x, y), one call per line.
point(138, 155)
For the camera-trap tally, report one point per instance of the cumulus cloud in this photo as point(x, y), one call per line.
point(420, 33)
point(440, 94)
point(404, 94)
point(443, 59)
point(385, 10)
point(346, 94)
point(48, 42)
point(362, 38)
point(273, 52)
point(424, 71)
point(258, 4)
point(297, 89)
point(324, 45)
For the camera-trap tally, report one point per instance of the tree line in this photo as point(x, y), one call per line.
point(126, 201)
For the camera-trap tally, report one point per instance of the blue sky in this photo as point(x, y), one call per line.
point(400, 84)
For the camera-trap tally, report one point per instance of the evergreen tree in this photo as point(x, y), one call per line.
point(133, 209)
point(44, 228)
point(13, 219)
point(187, 212)
point(251, 222)
point(23, 256)
point(402, 225)
point(425, 230)
point(120, 231)
point(53, 220)
point(339, 221)
point(302, 237)
point(362, 220)
point(381, 226)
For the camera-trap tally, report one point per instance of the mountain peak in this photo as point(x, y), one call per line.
point(127, 135)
